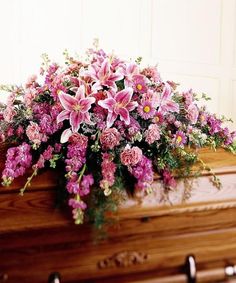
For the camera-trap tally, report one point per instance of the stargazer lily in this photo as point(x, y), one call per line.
point(103, 75)
point(119, 105)
point(75, 108)
point(166, 103)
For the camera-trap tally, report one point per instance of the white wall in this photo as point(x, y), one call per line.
point(193, 41)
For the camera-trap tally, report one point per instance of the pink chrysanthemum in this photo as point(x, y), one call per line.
point(158, 118)
point(146, 110)
point(180, 138)
point(139, 83)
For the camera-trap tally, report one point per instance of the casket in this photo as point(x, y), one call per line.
point(148, 242)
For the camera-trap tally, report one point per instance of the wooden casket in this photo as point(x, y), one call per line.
point(149, 242)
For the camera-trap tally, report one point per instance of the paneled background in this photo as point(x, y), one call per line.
point(192, 41)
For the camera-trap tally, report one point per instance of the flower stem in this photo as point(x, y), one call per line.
point(28, 182)
point(215, 179)
point(82, 173)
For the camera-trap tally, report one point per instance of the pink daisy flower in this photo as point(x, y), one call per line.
point(180, 138)
point(158, 118)
point(146, 110)
point(139, 84)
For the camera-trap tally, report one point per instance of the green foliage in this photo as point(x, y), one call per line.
point(138, 60)
point(53, 161)
point(120, 84)
point(45, 97)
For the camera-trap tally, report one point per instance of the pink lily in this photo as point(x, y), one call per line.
point(129, 72)
point(103, 76)
point(166, 103)
point(75, 108)
point(119, 105)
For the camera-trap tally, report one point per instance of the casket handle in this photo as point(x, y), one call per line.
point(54, 277)
point(191, 269)
point(226, 273)
point(3, 277)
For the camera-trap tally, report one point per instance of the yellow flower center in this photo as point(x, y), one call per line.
point(146, 109)
point(77, 107)
point(179, 139)
point(157, 119)
point(139, 86)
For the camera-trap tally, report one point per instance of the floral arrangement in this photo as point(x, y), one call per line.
point(108, 125)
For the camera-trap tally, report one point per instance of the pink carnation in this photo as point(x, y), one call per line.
point(9, 113)
point(110, 138)
point(152, 74)
point(33, 133)
point(108, 171)
point(188, 97)
point(152, 134)
point(78, 139)
point(29, 97)
point(193, 113)
point(131, 156)
point(31, 82)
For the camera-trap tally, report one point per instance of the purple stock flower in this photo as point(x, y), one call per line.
point(18, 160)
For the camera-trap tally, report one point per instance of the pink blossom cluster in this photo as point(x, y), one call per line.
point(76, 153)
point(18, 160)
point(108, 171)
point(45, 156)
point(143, 172)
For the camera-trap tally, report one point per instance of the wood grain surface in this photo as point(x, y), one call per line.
point(147, 243)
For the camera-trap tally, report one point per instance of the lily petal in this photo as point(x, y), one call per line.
point(171, 106)
point(166, 92)
point(112, 85)
point(116, 77)
point(67, 100)
point(124, 96)
point(85, 103)
point(75, 120)
point(65, 135)
point(80, 93)
point(86, 118)
point(107, 103)
point(111, 117)
point(63, 115)
point(132, 69)
point(124, 115)
point(97, 86)
point(91, 72)
point(104, 72)
point(132, 105)
point(74, 89)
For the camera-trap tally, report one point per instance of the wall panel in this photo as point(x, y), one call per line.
point(186, 30)
point(192, 41)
